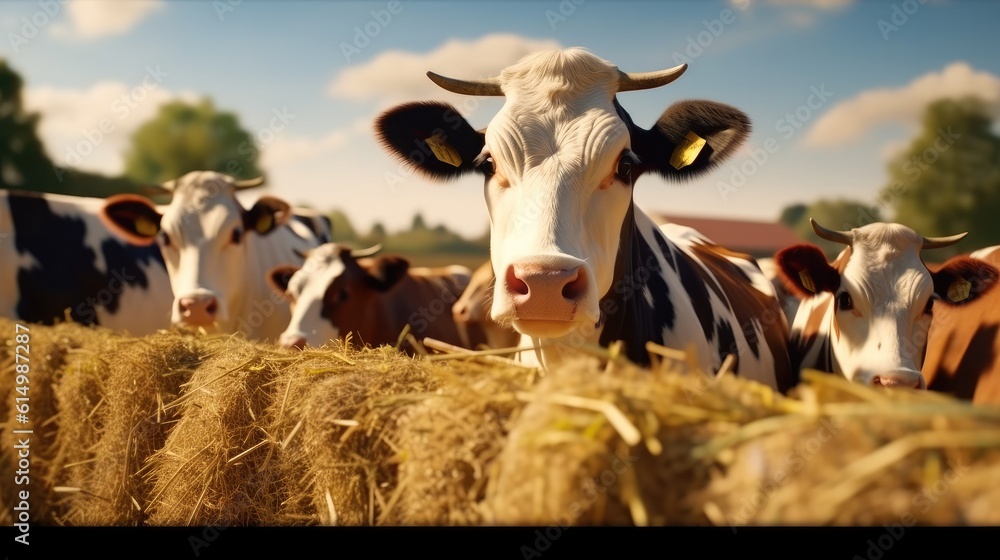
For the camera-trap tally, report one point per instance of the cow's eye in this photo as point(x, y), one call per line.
point(624, 171)
point(237, 236)
point(164, 239)
point(928, 309)
point(844, 302)
point(485, 166)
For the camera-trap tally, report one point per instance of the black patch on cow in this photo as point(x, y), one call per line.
point(726, 339)
point(625, 313)
point(64, 276)
point(697, 290)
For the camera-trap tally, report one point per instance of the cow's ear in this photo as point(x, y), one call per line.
point(691, 138)
point(385, 272)
point(279, 276)
point(268, 214)
point(131, 217)
point(432, 138)
point(961, 280)
point(805, 271)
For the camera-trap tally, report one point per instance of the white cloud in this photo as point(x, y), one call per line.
point(395, 75)
point(288, 150)
point(852, 119)
point(91, 19)
point(72, 121)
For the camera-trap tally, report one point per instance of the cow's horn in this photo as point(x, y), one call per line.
point(155, 190)
point(632, 81)
point(358, 253)
point(844, 237)
point(489, 86)
point(302, 255)
point(938, 242)
point(249, 183)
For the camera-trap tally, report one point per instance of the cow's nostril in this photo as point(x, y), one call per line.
point(514, 284)
point(212, 307)
point(575, 288)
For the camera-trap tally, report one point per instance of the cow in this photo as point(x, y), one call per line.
point(789, 301)
point(338, 291)
point(216, 252)
point(866, 314)
point(472, 310)
point(576, 261)
point(963, 344)
point(61, 262)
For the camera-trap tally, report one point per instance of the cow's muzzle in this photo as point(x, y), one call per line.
point(198, 310)
point(903, 377)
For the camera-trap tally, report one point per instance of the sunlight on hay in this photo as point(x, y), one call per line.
point(187, 429)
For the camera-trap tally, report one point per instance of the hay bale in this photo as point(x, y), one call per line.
point(53, 352)
point(449, 444)
point(341, 459)
point(136, 380)
point(216, 466)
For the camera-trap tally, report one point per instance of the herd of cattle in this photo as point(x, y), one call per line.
point(572, 259)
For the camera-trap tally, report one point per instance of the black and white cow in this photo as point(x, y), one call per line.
point(61, 262)
point(217, 252)
point(575, 260)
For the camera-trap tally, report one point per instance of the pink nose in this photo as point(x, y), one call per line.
point(896, 380)
point(542, 293)
point(461, 313)
point(198, 310)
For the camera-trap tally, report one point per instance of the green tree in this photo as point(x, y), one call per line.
point(838, 214)
point(792, 215)
point(185, 137)
point(947, 180)
point(23, 161)
point(418, 223)
point(343, 230)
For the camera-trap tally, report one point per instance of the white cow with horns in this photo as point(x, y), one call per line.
point(575, 260)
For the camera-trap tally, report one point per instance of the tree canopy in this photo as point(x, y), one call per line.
point(186, 137)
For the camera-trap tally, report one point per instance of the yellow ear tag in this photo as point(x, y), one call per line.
point(959, 290)
point(264, 223)
point(687, 151)
point(145, 227)
point(443, 151)
point(807, 281)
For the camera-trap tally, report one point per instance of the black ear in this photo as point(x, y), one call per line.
point(691, 138)
point(385, 272)
point(268, 214)
point(430, 137)
point(961, 280)
point(279, 276)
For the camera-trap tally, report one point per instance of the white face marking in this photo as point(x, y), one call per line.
point(555, 202)
point(306, 290)
point(196, 241)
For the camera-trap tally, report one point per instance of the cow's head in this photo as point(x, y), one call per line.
point(559, 161)
point(203, 235)
point(333, 287)
point(882, 296)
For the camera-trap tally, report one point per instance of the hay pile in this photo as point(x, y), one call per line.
point(176, 429)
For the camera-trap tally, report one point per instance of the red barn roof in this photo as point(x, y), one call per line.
point(760, 239)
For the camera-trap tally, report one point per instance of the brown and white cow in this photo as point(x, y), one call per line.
point(338, 291)
point(472, 310)
point(866, 315)
point(576, 262)
point(963, 345)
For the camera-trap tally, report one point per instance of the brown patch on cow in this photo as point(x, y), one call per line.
point(747, 304)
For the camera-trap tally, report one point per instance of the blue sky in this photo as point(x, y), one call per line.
point(262, 58)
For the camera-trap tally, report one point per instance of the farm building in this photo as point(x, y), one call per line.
point(759, 239)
